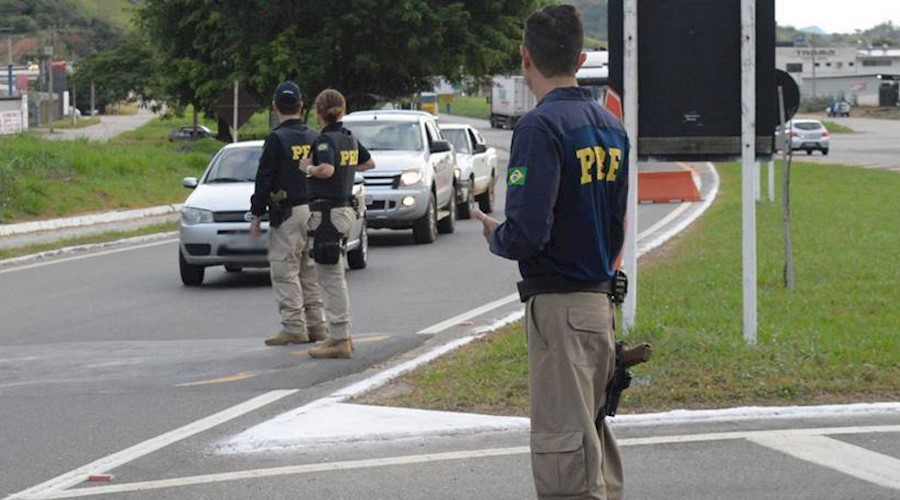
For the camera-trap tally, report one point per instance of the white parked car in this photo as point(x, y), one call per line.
point(215, 218)
point(476, 173)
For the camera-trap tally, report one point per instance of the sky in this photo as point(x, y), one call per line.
point(837, 16)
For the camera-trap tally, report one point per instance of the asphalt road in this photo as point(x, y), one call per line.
point(105, 356)
point(872, 144)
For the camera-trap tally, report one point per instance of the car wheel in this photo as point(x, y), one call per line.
point(425, 229)
point(808, 152)
point(358, 258)
point(464, 208)
point(233, 269)
point(191, 275)
point(486, 199)
point(825, 151)
point(448, 224)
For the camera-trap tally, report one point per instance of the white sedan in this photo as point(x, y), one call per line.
point(476, 173)
point(215, 218)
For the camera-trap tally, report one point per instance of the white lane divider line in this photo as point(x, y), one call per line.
point(167, 240)
point(284, 471)
point(139, 450)
point(805, 444)
point(478, 311)
point(843, 457)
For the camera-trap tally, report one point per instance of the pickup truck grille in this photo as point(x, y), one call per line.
point(391, 181)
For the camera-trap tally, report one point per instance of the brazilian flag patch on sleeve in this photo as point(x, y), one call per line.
point(516, 176)
point(323, 146)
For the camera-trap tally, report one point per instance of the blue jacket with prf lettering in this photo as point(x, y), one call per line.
point(567, 187)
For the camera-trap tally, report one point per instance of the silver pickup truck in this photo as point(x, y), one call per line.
point(412, 184)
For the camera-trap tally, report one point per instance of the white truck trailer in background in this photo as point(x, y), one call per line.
point(511, 98)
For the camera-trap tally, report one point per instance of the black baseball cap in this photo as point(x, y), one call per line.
point(287, 94)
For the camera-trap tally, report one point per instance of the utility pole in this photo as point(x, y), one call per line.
point(812, 43)
point(48, 51)
point(9, 67)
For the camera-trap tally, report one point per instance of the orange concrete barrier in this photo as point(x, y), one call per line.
point(667, 187)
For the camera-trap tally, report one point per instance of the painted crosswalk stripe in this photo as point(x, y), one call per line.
point(843, 457)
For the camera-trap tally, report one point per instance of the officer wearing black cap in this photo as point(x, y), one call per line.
point(281, 190)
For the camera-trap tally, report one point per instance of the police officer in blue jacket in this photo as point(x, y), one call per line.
point(565, 209)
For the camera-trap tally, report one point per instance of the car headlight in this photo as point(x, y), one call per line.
point(190, 215)
point(410, 177)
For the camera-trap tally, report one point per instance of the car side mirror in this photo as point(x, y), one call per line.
point(189, 182)
point(439, 146)
point(480, 148)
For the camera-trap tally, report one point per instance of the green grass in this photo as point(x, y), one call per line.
point(8, 253)
point(831, 340)
point(472, 107)
point(118, 13)
point(42, 179)
point(837, 128)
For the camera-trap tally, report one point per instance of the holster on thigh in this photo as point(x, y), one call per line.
point(327, 241)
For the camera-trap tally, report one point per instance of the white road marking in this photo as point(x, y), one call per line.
point(385, 376)
point(665, 220)
point(127, 455)
point(83, 256)
point(873, 467)
point(843, 457)
point(699, 209)
point(478, 311)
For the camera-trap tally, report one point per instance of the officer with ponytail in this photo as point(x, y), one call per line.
point(337, 155)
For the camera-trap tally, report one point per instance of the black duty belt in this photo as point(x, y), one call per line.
point(536, 285)
point(320, 204)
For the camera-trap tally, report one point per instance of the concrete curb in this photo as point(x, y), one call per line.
point(86, 220)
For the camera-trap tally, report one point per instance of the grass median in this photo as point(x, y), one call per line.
point(833, 339)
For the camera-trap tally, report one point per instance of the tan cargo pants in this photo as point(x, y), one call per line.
point(332, 278)
point(294, 274)
point(571, 354)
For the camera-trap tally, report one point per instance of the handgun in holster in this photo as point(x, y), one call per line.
point(279, 207)
point(327, 240)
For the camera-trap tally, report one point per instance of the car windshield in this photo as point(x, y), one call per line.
point(808, 125)
point(457, 137)
point(235, 165)
point(387, 135)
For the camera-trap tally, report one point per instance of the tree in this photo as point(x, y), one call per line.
point(385, 48)
point(123, 74)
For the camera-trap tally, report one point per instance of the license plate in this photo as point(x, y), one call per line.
point(247, 242)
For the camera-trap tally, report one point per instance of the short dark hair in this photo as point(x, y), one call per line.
point(554, 36)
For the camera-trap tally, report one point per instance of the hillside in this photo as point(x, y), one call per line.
point(117, 13)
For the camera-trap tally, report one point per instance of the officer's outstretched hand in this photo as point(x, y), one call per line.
point(489, 223)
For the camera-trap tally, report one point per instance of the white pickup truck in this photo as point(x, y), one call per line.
point(476, 173)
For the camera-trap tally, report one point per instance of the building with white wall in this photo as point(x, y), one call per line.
point(840, 72)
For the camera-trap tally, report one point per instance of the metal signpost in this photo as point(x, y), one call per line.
point(630, 85)
point(749, 170)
